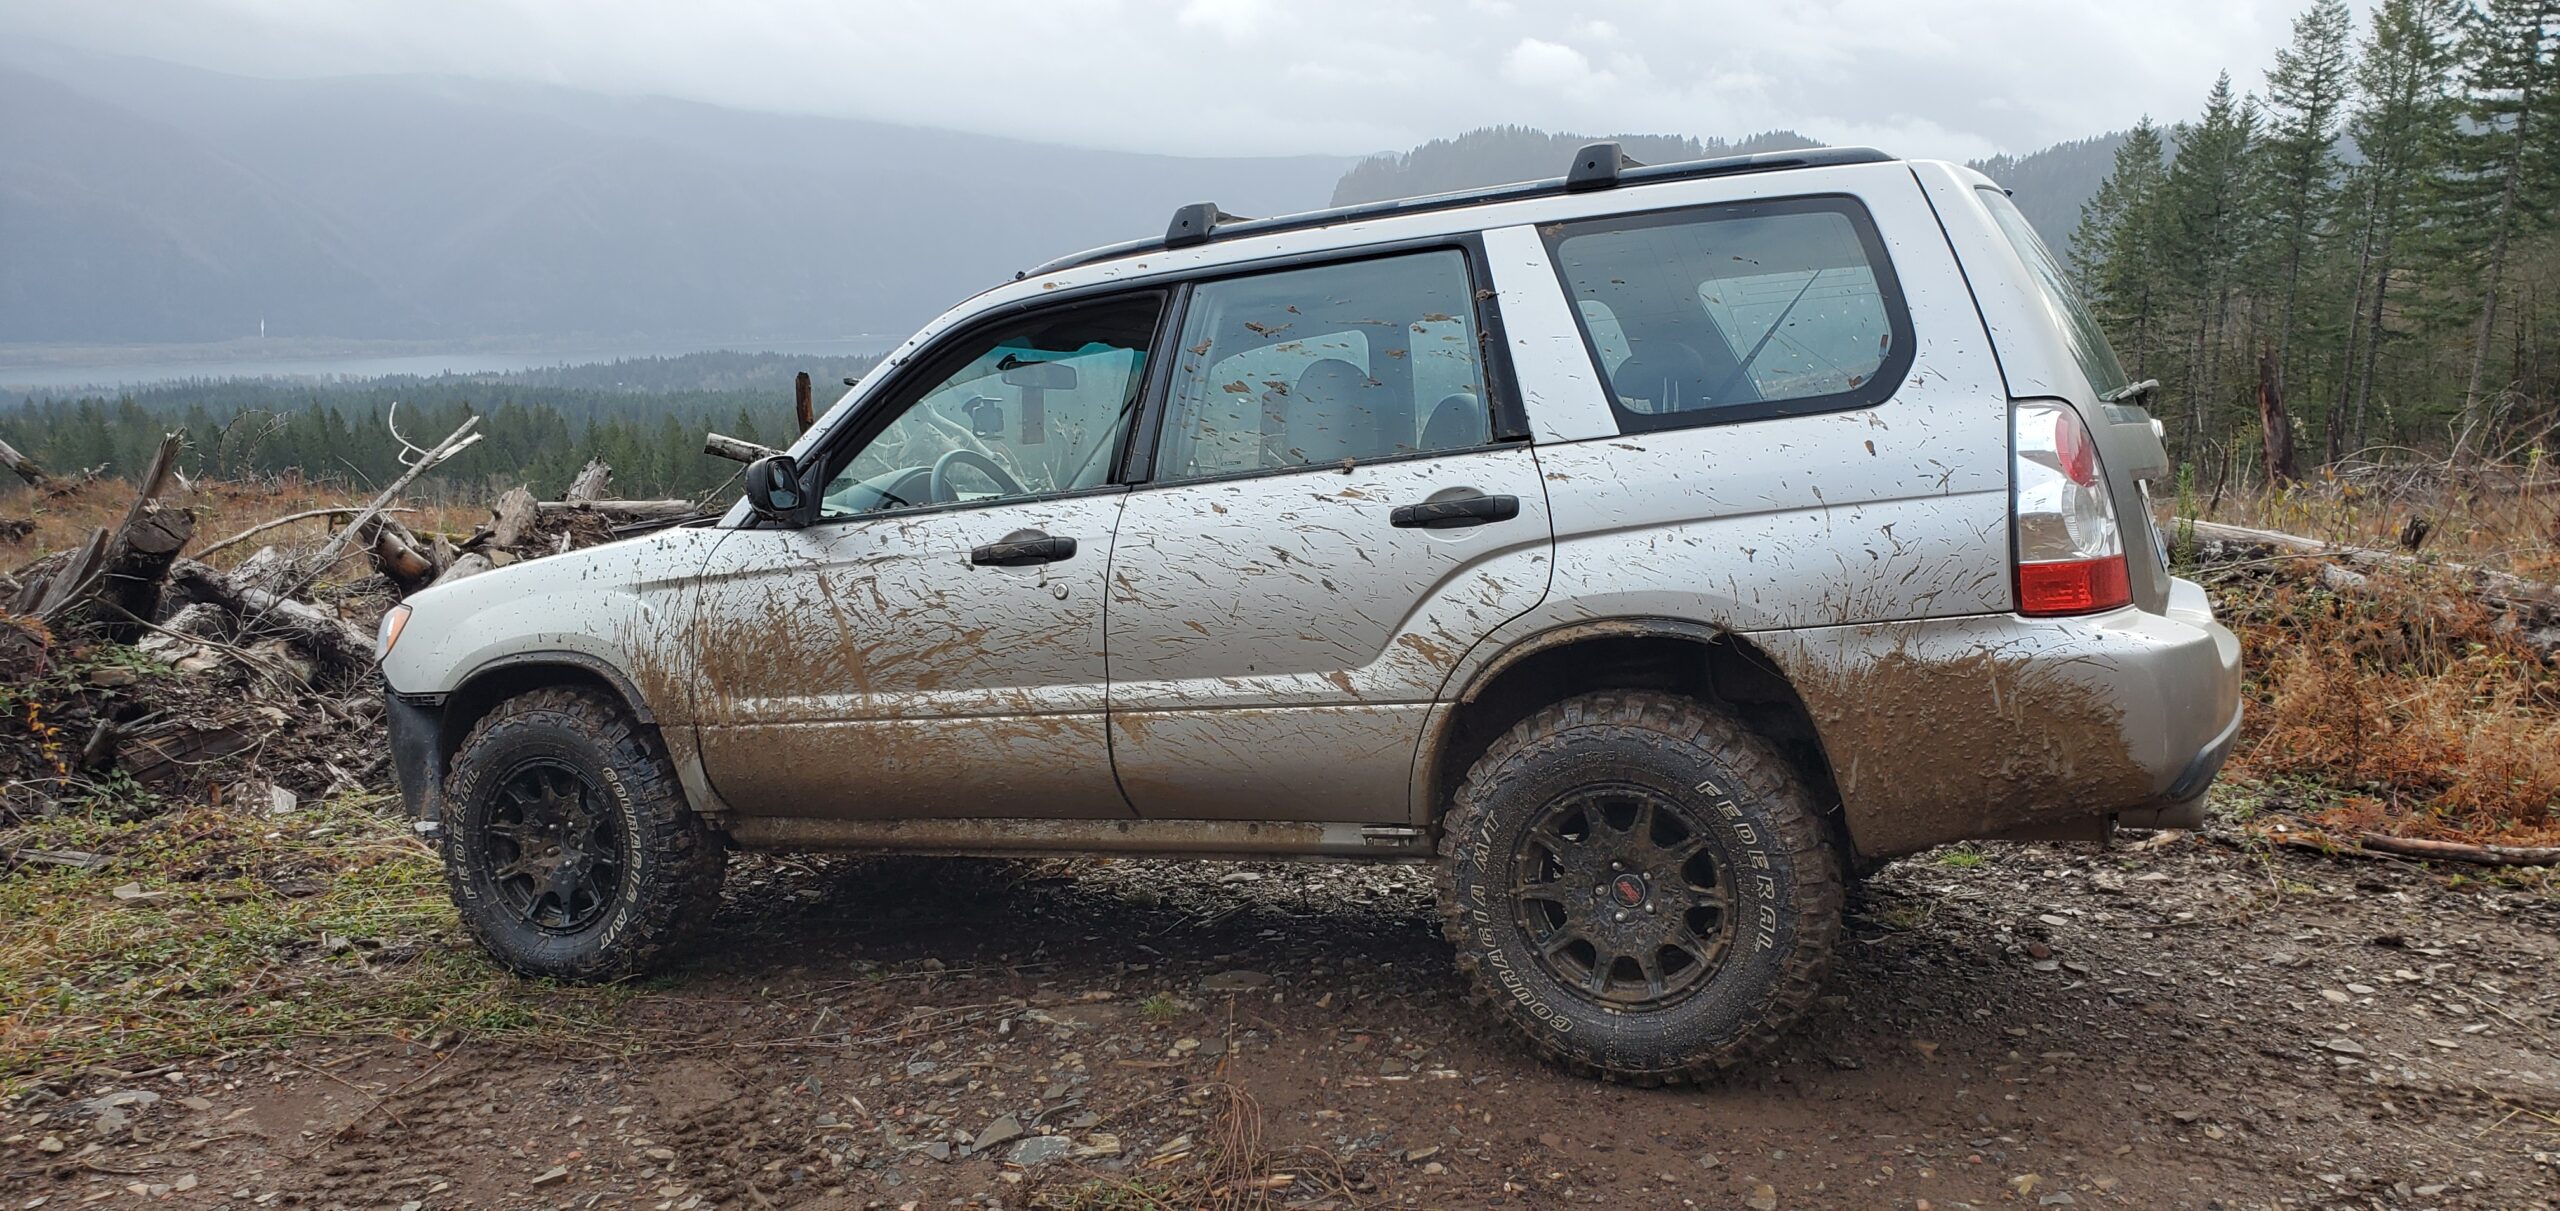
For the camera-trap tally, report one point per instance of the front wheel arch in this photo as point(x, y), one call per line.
point(481, 690)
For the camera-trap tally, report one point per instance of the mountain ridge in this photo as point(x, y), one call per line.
point(145, 202)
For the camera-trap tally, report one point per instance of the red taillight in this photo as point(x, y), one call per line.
point(2078, 454)
point(2078, 586)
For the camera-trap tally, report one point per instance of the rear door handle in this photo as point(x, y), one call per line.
point(1023, 548)
point(1449, 514)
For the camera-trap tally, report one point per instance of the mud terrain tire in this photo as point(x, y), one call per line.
point(1555, 805)
point(568, 845)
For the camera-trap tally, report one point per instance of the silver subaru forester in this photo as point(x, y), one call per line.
point(1649, 548)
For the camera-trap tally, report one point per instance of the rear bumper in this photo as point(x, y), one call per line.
point(1952, 729)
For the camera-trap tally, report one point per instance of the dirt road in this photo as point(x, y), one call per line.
point(2183, 1025)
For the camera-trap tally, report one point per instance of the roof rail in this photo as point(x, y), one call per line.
point(1597, 166)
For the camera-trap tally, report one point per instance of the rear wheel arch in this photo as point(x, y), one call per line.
point(1672, 655)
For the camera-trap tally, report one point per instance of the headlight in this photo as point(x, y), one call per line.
point(394, 620)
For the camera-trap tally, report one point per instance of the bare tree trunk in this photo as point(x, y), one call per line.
point(592, 482)
point(2373, 335)
point(804, 407)
point(2333, 432)
point(2273, 424)
point(2466, 443)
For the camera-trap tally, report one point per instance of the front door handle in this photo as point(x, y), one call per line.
point(1023, 548)
point(1449, 514)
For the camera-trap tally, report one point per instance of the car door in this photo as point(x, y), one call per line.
point(932, 646)
point(1331, 520)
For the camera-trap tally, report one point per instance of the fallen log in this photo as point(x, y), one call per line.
point(2503, 589)
point(167, 752)
point(335, 643)
point(398, 554)
point(735, 449)
point(511, 518)
point(2533, 608)
point(469, 563)
point(638, 510)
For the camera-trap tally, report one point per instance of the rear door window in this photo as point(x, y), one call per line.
point(1736, 312)
point(1358, 361)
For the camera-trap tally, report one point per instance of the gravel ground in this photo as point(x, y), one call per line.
point(2174, 1023)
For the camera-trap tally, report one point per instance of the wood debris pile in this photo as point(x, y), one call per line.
point(137, 661)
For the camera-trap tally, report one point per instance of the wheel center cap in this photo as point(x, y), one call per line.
point(1628, 890)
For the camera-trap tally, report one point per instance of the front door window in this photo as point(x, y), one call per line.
point(1028, 410)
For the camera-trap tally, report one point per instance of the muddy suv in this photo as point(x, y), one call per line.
point(1648, 548)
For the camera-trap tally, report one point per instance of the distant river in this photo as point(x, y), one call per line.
point(20, 374)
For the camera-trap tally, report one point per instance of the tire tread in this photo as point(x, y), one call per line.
point(692, 860)
point(1763, 772)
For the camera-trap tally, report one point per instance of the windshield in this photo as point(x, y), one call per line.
point(2071, 317)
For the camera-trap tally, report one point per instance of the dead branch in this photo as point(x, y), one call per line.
point(287, 519)
point(735, 449)
point(2456, 851)
point(454, 443)
point(28, 470)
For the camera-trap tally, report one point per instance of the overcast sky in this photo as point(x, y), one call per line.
point(1953, 78)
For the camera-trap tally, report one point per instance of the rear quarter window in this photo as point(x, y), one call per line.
point(1736, 312)
point(2069, 316)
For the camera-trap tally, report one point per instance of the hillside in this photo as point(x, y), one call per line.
point(1496, 154)
point(146, 202)
point(2050, 185)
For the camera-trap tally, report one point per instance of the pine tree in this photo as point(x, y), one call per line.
point(2116, 254)
point(2296, 163)
point(2205, 221)
point(2502, 184)
point(2402, 118)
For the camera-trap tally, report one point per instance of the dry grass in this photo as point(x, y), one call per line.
point(63, 519)
point(2509, 518)
point(2404, 706)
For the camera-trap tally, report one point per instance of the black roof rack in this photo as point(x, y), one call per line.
point(1597, 166)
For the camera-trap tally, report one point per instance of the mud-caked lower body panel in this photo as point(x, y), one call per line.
point(1951, 729)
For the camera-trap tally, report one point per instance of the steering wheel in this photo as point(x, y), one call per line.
point(938, 488)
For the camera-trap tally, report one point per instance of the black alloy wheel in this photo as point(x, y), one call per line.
point(560, 858)
point(1623, 896)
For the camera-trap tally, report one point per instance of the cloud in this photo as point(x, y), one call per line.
point(1537, 63)
point(1240, 77)
point(1234, 20)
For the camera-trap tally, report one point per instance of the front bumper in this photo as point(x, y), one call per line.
point(416, 725)
point(1952, 729)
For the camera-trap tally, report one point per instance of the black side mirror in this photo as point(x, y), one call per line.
point(773, 490)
